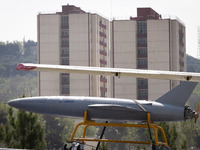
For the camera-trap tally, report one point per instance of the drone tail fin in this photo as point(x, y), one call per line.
point(179, 95)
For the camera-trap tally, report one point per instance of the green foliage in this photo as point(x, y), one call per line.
point(17, 85)
point(53, 132)
point(193, 64)
point(191, 132)
point(58, 130)
point(103, 146)
point(181, 135)
point(115, 133)
point(14, 83)
point(29, 48)
point(3, 120)
point(90, 132)
point(10, 48)
point(1, 133)
point(14, 53)
point(24, 130)
point(67, 125)
point(173, 137)
point(171, 134)
point(184, 145)
point(3, 113)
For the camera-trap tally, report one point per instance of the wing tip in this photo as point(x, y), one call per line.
point(25, 68)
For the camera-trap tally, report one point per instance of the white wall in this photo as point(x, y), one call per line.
point(125, 56)
point(158, 37)
point(49, 52)
point(79, 52)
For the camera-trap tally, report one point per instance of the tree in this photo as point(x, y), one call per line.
point(3, 113)
point(24, 130)
point(115, 133)
point(184, 145)
point(68, 126)
point(53, 132)
point(191, 132)
point(3, 120)
point(12, 54)
point(172, 138)
point(30, 48)
point(170, 133)
point(103, 146)
point(58, 130)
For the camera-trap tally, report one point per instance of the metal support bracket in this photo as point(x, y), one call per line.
point(88, 123)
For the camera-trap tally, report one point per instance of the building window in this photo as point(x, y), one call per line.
point(141, 27)
point(65, 52)
point(103, 94)
point(65, 90)
point(102, 25)
point(143, 94)
point(142, 52)
point(65, 61)
point(65, 33)
point(65, 21)
point(64, 79)
point(142, 41)
point(65, 42)
point(142, 83)
point(64, 82)
point(142, 63)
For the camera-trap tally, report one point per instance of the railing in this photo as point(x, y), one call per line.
point(103, 79)
point(102, 25)
point(103, 52)
point(104, 62)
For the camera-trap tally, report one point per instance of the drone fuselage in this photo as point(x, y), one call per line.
point(100, 108)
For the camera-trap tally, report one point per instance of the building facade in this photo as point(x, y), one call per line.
point(74, 37)
point(146, 42)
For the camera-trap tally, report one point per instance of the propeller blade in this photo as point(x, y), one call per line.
point(198, 105)
point(196, 116)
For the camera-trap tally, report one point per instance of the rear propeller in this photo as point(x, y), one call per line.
point(196, 115)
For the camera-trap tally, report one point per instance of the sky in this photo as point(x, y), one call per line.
point(18, 18)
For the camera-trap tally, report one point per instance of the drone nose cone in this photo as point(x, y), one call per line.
point(15, 103)
point(21, 103)
point(27, 104)
point(31, 104)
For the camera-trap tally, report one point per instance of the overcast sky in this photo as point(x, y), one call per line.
point(18, 18)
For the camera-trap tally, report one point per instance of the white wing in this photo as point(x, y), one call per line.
point(138, 73)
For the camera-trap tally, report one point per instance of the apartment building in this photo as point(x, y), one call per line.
point(73, 37)
point(76, 37)
point(146, 42)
